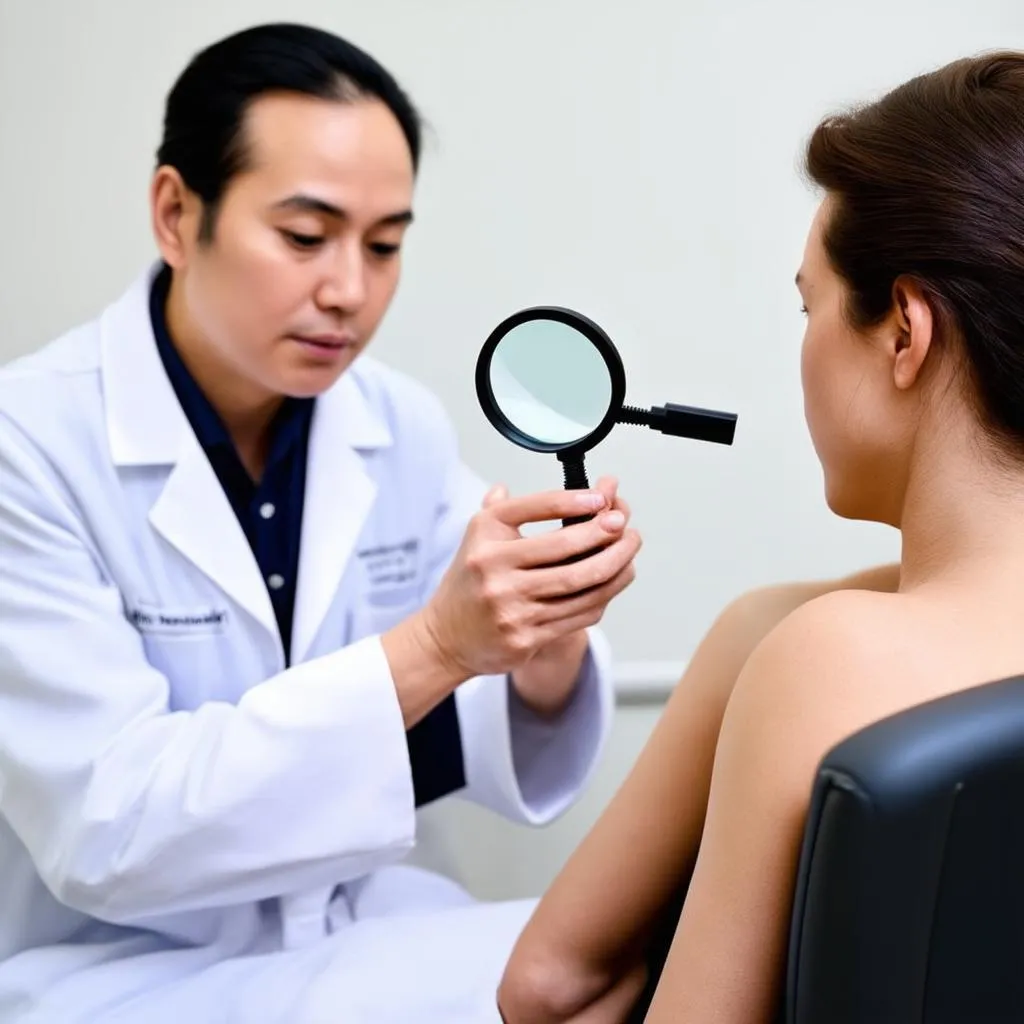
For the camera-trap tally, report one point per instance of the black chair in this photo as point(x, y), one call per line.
point(909, 906)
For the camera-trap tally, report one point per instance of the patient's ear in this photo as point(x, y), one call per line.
point(911, 331)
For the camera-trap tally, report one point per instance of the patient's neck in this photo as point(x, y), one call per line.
point(963, 515)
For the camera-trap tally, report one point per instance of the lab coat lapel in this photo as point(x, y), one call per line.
point(194, 515)
point(146, 426)
point(339, 495)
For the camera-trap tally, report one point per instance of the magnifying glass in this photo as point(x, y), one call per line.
point(549, 379)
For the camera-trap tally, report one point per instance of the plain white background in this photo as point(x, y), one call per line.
point(639, 162)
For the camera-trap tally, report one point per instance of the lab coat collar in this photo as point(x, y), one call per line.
point(146, 426)
point(145, 423)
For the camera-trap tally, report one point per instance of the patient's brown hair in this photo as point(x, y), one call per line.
point(928, 182)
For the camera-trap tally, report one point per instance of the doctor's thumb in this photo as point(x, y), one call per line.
point(499, 492)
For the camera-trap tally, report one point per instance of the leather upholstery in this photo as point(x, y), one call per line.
point(909, 906)
point(910, 896)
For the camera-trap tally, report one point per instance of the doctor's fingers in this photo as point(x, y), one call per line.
point(593, 571)
point(554, 547)
point(567, 614)
point(609, 487)
point(546, 506)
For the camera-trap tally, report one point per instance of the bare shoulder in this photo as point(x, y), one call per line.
point(840, 633)
point(833, 665)
point(807, 685)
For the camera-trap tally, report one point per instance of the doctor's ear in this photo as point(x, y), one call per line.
point(177, 216)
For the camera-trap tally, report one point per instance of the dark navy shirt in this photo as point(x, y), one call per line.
point(270, 514)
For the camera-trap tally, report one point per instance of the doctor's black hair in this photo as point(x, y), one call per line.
point(204, 119)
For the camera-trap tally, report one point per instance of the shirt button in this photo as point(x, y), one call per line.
point(267, 510)
point(275, 581)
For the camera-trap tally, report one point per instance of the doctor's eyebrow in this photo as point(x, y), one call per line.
point(310, 204)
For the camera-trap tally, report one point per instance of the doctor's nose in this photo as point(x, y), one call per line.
point(344, 287)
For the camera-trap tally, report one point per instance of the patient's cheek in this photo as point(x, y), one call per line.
point(816, 389)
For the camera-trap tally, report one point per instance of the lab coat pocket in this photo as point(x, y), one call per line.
point(190, 647)
point(195, 666)
point(387, 608)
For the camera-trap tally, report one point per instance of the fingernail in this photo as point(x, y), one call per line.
point(590, 501)
point(613, 521)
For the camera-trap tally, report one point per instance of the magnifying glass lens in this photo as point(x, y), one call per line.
point(550, 382)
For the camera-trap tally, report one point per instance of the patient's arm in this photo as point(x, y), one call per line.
point(590, 926)
point(581, 935)
point(816, 679)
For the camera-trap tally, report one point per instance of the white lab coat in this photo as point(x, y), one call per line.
point(188, 830)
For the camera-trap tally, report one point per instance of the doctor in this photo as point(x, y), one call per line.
point(252, 613)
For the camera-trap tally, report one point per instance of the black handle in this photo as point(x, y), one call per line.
point(575, 473)
point(700, 424)
point(575, 480)
point(684, 421)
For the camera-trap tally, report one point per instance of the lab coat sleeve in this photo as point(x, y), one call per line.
point(130, 810)
point(526, 768)
point(519, 765)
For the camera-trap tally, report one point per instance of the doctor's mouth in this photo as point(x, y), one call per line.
point(327, 348)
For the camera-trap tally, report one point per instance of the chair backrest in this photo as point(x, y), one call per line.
point(909, 905)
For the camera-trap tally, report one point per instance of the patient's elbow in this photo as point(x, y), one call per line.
point(542, 989)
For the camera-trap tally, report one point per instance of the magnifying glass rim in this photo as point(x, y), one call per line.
point(595, 335)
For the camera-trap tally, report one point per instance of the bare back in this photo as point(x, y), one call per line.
point(915, 647)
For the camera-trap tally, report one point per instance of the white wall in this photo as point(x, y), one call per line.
point(637, 161)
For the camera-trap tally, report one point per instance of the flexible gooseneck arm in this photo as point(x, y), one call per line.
point(575, 480)
point(683, 421)
point(674, 420)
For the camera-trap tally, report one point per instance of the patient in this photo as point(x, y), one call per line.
point(913, 372)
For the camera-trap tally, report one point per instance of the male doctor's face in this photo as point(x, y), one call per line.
point(304, 256)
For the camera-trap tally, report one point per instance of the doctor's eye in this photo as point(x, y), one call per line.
point(384, 249)
point(302, 241)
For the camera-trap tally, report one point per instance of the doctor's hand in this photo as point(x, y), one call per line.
point(516, 604)
point(547, 680)
point(508, 600)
